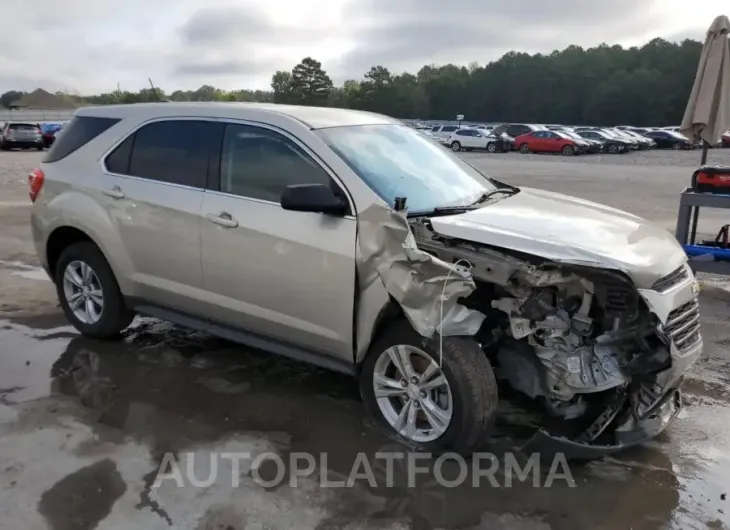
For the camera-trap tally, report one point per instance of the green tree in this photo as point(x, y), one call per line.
point(310, 84)
point(281, 84)
point(10, 96)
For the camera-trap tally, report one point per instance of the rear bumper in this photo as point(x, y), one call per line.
point(22, 144)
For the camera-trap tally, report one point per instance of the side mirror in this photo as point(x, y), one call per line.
point(316, 198)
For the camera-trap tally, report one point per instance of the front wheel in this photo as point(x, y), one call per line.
point(568, 150)
point(524, 149)
point(492, 147)
point(427, 406)
point(456, 147)
point(613, 149)
point(89, 293)
point(676, 147)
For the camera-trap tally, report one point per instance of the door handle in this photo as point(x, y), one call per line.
point(222, 219)
point(116, 193)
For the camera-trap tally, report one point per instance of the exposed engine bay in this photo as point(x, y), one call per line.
point(579, 340)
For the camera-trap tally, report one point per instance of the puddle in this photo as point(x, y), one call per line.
point(26, 271)
point(176, 391)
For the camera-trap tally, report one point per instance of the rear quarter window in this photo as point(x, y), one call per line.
point(77, 133)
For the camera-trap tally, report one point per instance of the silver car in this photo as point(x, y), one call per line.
point(349, 240)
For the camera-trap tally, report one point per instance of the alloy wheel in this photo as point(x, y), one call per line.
point(83, 292)
point(412, 393)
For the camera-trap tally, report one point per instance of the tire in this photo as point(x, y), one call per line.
point(39, 148)
point(613, 149)
point(524, 149)
point(492, 147)
point(4, 147)
point(455, 147)
point(676, 147)
point(471, 381)
point(568, 150)
point(113, 316)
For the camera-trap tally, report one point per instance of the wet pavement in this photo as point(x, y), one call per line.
point(86, 425)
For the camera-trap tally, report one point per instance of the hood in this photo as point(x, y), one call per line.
point(570, 230)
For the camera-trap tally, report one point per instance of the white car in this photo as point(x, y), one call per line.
point(468, 139)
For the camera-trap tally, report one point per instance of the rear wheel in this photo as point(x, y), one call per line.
point(568, 150)
point(524, 149)
point(425, 405)
point(456, 147)
point(89, 293)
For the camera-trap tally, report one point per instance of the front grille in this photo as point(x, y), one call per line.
point(670, 280)
point(683, 326)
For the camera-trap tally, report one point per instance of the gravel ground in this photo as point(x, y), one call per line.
point(84, 425)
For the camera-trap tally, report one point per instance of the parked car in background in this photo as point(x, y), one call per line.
point(470, 138)
point(48, 130)
point(725, 139)
point(550, 142)
point(644, 142)
point(517, 129)
point(594, 145)
point(611, 144)
point(21, 135)
point(669, 140)
point(444, 131)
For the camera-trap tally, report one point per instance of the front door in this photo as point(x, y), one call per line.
point(283, 274)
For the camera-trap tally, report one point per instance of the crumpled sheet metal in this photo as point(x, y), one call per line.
point(418, 281)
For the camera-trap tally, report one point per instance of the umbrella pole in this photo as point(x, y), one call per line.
point(705, 147)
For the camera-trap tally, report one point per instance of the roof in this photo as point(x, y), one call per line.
point(312, 117)
point(43, 100)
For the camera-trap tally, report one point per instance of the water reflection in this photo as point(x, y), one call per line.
point(176, 390)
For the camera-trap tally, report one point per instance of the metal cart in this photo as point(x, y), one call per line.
point(702, 258)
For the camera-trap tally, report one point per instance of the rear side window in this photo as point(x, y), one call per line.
point(449, 128)
point(174, 151)
point(77, 133)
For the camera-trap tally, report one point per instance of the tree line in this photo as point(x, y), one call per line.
point(610, 85)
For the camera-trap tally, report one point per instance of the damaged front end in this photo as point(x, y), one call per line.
point(603, 357)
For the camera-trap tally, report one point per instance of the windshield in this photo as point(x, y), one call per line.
point(395, 161)
point(564, 134)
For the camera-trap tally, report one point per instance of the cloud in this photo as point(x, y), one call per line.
point(89, 47)
point(410, 33)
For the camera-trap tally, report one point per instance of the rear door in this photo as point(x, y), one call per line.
point(154, 189)
point(279, 273)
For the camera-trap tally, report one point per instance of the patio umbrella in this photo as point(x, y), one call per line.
point(708, 111)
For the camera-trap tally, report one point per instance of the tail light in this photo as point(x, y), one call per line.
point(35, 183)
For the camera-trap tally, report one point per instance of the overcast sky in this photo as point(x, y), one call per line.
point(88, 46)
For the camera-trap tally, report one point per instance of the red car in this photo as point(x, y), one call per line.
point(725, 139)
point(549, 142)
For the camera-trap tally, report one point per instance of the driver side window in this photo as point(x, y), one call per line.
point(260, 163)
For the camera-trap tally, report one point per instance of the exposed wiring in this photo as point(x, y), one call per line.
point(441, 308)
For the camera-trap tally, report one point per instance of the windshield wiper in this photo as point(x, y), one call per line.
point(463, 208)
point(489, 194)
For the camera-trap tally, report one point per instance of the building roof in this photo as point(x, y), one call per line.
point(43, 100)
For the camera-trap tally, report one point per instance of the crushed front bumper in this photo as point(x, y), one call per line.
point(646, 428)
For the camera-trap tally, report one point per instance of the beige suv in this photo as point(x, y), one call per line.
point(348, 240)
